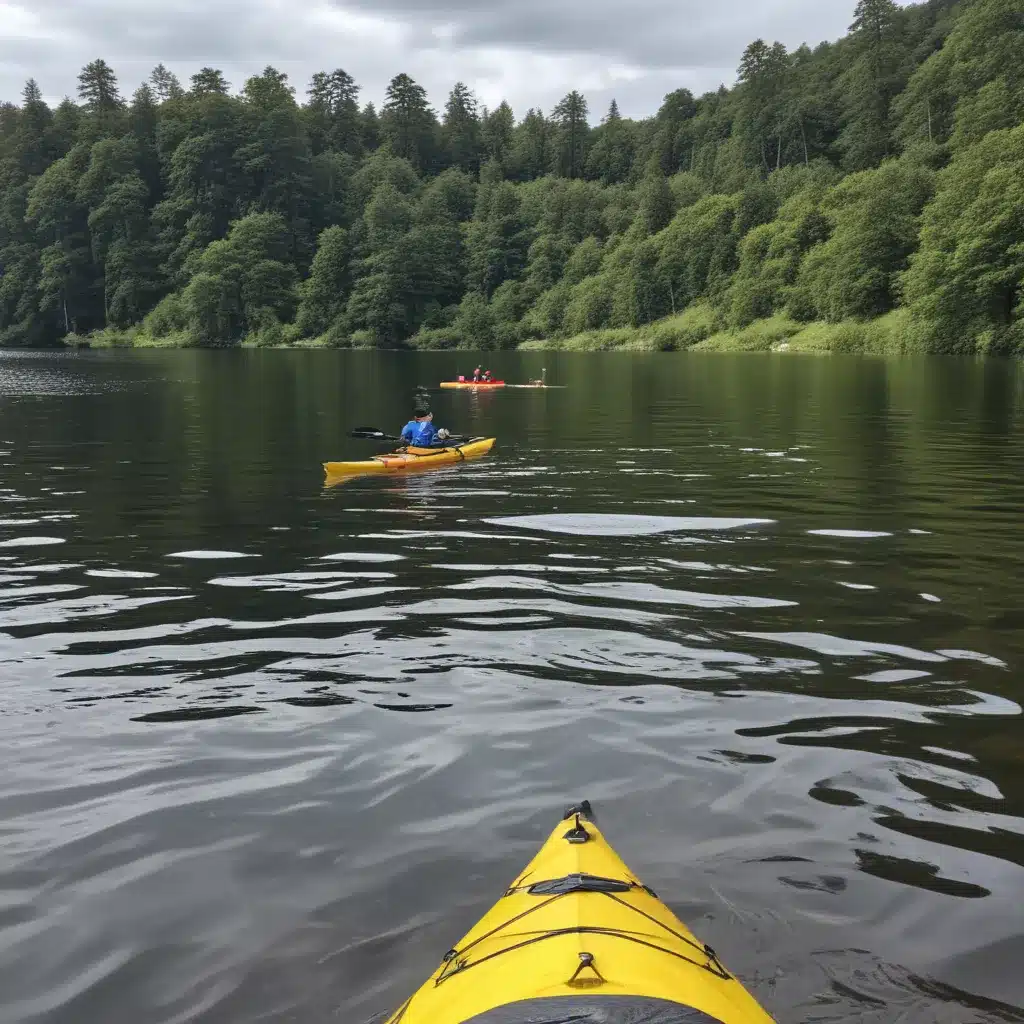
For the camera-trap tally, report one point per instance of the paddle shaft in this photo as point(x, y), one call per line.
point(374, 434)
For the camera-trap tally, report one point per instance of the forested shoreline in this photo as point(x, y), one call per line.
point(866, 194)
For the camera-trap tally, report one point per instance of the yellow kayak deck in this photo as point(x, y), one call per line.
point(475, 385)
point(577, 937)
point(412, 459)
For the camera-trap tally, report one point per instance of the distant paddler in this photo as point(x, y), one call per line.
point(479, 377)
point(543, 382)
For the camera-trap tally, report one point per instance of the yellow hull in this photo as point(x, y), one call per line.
point(577, 937)
point(473, 385)
point(412, 459)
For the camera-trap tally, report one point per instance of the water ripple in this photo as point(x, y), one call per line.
point(269, 747)
point(605, 525)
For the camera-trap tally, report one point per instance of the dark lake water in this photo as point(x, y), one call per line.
point(270, 748)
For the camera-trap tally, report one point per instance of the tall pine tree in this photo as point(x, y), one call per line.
point(408, 123)
point(572, 131)
point(461, 136)
point(869, 85)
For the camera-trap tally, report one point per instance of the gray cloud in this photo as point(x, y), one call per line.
point(528, 51)
point(661, 33)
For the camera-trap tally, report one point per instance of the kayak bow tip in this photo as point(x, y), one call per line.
point(599, 945)
point(581, 810)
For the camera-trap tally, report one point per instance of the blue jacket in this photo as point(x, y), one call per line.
point(420, 435)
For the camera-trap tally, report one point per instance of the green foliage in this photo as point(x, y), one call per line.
point(545, 318)
point(97, 86)
point(332, 115)
point(876, 222)
point(165, 84)
point(889, 335)
point(571, 135)
point(474, 325)
point(657, 201)
point(769, 261)
point(690, 327)
point(612, 148)
point(965, 286)
point(461, 131)
point(449, 198)
point(242, 284)
point(584, 261)
point(497, 240)
point(801, 196)
point(761, 336)
point(325, 292)
point(532, 147)
point(697, 249)
point(675, 138)
point(379, 169)
point(589, 306)
point(687, 189)
point(674, 333)
point(974, 84)
point(369, 124)
point(209, 82)
point(497, 133)
point(168, 317)
point(869, 84)
point(275, 158)
point(408, 124)
point(765, 73)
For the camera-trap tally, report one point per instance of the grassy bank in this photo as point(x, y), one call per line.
point(693, 330)
point(685, 330)
point(139, 338)
point(891, 334)
point(134, 337)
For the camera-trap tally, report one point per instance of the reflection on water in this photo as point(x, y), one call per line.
point(271, 747)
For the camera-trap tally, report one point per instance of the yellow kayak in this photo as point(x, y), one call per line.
point(577, 937)
point(475, 385)
point(411, 459)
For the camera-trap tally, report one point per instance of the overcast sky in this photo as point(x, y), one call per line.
point(530, 52)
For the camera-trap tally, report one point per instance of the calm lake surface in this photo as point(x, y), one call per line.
point(270, 748)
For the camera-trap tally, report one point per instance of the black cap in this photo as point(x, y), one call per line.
point(420, 410)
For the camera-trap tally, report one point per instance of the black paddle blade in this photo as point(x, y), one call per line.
point(371, 434)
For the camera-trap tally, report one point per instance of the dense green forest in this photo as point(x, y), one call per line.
point(864, 193)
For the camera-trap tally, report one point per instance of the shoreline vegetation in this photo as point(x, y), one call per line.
point(692, 331)
point(862, 195)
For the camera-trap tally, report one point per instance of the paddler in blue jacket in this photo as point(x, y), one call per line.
point(420, 431)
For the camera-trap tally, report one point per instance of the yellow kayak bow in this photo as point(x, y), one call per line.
point(579, 938)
